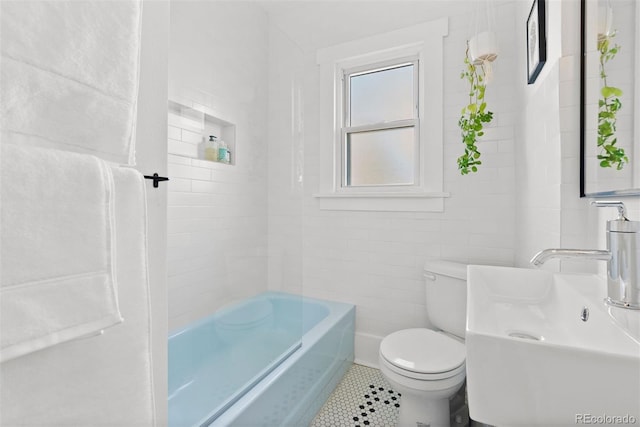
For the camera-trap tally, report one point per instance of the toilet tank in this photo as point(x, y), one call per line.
point(446, 283)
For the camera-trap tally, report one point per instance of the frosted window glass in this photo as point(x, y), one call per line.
point(382, 96)
point(381, 157)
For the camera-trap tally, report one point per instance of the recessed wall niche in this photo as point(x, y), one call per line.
point(191, 128)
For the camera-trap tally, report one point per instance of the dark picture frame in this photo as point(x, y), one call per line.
point(536, 40)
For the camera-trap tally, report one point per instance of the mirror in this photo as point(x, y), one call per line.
point(610, 98)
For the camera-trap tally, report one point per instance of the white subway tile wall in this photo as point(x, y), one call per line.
point(375, 259)
point(217, 219)
point(235, 231)
point(539, 198)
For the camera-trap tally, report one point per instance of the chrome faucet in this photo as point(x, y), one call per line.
point(547, 254)
point(622, 256)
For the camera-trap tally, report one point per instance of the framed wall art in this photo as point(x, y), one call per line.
point(536, 40)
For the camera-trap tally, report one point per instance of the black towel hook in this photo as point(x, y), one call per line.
point(156, 179)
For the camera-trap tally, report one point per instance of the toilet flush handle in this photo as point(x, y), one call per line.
point(428, 275)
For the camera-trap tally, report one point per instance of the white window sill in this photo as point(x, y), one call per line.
point(388, 202)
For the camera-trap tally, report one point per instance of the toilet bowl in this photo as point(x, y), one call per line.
point(425, 366)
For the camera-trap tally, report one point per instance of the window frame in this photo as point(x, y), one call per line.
point(424, 41)
point(347, 129)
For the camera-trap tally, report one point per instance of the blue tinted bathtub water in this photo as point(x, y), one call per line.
point(231, 366)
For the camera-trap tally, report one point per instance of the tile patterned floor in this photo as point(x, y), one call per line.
point(363, 398)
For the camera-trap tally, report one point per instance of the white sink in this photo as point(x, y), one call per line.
point(532, 360)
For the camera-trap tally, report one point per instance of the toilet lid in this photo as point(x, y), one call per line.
point(423, 351)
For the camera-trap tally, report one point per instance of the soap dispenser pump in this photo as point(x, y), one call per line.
point(211, 149)
point(623, 270)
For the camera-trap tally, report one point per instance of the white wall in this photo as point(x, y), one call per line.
point(577, 218)
point(375, 259)
point(539, 143)
point(217, 218)
point(151, 156)
point(524, 199)
point(550, 210)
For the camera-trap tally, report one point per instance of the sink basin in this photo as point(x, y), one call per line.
point(532, 360)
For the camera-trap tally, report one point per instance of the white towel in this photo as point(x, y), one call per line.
point(69, 75)
point(101, 381)
point(57, 259)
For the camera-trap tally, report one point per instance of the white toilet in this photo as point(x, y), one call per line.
point(427, 367)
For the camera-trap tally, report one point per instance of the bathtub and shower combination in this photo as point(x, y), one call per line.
point(270, 360)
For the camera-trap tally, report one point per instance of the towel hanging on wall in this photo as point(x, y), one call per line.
point(69, 76)
point(105, 380)
point(57, 253)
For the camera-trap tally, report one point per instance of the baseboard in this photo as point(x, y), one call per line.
point(366, 349)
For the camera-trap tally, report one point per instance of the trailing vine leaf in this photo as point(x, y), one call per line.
point(608, 106)
point(473, 117)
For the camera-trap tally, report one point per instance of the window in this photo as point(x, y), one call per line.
point(380, 126)
point(381, 121)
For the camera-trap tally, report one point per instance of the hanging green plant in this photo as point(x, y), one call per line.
point(608, 107)
point(473, 116)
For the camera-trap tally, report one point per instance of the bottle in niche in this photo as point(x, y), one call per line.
point(211, 149)
point(223, 152)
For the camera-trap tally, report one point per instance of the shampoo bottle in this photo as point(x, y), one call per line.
point(223, 152)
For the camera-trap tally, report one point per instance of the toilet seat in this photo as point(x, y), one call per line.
point(423, 354)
